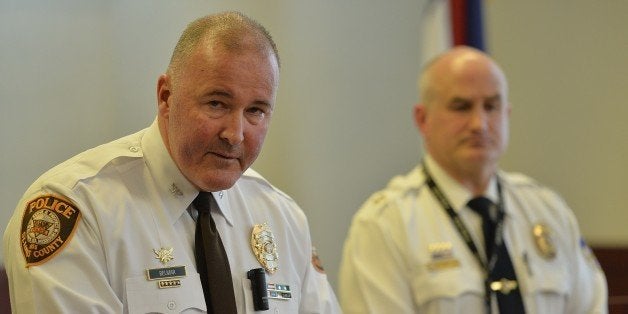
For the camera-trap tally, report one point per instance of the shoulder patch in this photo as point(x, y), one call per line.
point(589, 255)
point(48, 223)
point(316, 262)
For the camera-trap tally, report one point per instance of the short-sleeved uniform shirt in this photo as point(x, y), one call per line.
point(90, 228)
point(403, 254)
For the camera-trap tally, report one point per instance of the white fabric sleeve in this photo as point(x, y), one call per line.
point(373, 273)
point(72, 281)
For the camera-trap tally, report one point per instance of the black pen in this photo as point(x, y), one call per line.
point(527, 262)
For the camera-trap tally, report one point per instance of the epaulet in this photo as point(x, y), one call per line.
point(397, 188)
point(519, 179)
point(523, 182)
point(250, 173)
point(378, 198)
point(99, 157)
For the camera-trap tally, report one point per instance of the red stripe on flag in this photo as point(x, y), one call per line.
point(458, 9)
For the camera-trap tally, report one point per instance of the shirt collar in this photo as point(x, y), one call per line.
point(177, 193)
point(455, 192)
point(222, 199)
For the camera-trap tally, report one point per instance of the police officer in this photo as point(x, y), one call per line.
point(457, 234)
point(125, 227)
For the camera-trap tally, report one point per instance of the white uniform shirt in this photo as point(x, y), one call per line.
point(133, 200)
point(404, 255)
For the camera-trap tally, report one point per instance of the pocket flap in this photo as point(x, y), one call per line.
point(145, 296)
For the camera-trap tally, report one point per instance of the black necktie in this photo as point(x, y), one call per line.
point(482, 206)
point(503, 274)
point(211, 260)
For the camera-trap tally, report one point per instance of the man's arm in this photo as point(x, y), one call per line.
point(374, 277)
point(66, 273)
point(589, 291)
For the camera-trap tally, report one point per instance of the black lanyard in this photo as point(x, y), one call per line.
point(464, 231)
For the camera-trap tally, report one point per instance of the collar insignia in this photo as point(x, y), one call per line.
point(176, 192)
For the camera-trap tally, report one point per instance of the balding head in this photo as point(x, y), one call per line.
point(231, 31)
point(452, 64)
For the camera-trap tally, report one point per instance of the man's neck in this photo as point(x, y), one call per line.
point(478, 185)
point(476, 180)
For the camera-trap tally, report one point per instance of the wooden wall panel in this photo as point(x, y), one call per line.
point(614, 262)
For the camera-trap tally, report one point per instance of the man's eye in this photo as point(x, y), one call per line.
point(256, 112)
point(215, 104)
point(460, 106)
point(492, 106)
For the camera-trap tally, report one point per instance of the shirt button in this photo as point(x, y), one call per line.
point(172, 305)
point(134, 149)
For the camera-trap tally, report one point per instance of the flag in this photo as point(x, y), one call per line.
point(448, 23)
point(467, 24)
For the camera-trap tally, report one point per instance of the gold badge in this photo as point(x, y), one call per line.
point(543, 240)
point(264, 248)
point(48, 224)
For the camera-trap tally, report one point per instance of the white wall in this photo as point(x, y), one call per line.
point(77, 73)
point(568, 69)
point(343, 126)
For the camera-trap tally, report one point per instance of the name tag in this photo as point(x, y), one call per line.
point(166, 273)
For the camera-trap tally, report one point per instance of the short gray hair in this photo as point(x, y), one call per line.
point(228, 29)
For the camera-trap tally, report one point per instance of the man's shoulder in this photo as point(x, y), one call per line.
point(518, 179)
point(519, 182)
point(257, 192)
point(254, 178)
point(92, 162)
point(537, 198)
point(252, 182)
point(398, 188)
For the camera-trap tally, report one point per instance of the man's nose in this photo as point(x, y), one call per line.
point(233, 128)
point(479, 119)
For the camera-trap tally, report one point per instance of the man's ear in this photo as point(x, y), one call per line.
point(420, 116)
point(164, 87)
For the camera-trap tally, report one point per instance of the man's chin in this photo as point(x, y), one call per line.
point(219, 180)
point(480, 158)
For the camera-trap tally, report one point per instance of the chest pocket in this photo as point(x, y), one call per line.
point(275, 306)
point(549, 289)
point(444, 287)
point(144, 296)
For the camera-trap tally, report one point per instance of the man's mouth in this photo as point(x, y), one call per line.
point(224, 155)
